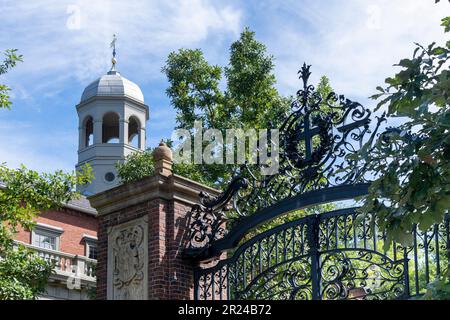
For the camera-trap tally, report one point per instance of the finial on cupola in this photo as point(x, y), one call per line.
point(113, 60)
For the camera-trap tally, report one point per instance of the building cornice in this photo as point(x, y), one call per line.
point(158, 186)
point(115, 98)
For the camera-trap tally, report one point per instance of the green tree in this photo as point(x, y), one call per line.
point(411, 162)
point(136, 166)
point(249, 101)
point(24, 194)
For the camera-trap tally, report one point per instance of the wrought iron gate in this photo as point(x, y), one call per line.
point(332, 255)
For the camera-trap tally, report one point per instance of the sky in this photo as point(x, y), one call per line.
point(65, 45)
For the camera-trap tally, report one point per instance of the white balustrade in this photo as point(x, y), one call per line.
point(65, 263)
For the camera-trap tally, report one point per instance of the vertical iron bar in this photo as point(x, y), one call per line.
point(438, 260)
point(196, 286)
point(336, 237)
point(406, 272)
point(220, 284)
point(205, 287)
point(236, 278)
point(345, 231)
point(364, 233)
point(251, 260)
point(276, 248)
point(416, 261)
point(427, 269)
point(374, 237)
point(259, 257)
point(213, 285)
point(447, 225)
point(394, 249)
point(314, 253)
point(228, 275)
point(244, 274)
point(293, 241)
point(355, 244)
point(327, 234)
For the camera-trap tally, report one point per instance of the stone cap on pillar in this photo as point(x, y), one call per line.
point(163, 158)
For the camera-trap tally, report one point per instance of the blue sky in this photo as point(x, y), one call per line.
point(66, 46)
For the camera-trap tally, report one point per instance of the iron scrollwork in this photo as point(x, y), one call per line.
point(207, 219)
point(315, 141)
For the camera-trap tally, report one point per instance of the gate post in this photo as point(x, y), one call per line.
point(142, 232)
point(313, 240)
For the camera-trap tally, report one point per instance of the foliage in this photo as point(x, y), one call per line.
point(23, 275)
point(439, 289)
point(136, 166)
point(250, 99)
point(24, 194)
point(411, 161)
point(11, 59)
point(141, 164)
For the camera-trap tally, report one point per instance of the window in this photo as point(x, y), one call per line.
point(110, 177)
point(91, 246)
point(45, 241)
point(47, 237)
point(91, 249)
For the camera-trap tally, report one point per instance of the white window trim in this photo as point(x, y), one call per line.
point(48, 230)
point(89, 240)
point(87, 237)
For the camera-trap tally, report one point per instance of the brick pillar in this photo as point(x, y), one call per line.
point(152, 210)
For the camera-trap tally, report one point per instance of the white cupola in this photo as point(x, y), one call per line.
point(112, 118)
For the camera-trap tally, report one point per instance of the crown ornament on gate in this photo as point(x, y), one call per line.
point(318, 141)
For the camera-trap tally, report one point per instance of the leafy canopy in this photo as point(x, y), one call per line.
point(412, 161)
point(249, 101)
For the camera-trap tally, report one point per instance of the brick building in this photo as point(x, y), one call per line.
point(67, 236)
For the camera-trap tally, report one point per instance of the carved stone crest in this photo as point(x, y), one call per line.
point(127, 261)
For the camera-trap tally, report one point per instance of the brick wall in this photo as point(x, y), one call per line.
point(169, 276)
point(74, 223)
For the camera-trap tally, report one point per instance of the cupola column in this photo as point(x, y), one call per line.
point(123, 131)
point(98, 128)
point(142, 139)
point(81, 137)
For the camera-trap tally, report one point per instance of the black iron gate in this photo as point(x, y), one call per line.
point(333, 255)
point(336, 255)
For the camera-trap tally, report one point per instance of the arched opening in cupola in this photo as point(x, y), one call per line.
point(88, 128)
point(134, 128)
point(110, 128)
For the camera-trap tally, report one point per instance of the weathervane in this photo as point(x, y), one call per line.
point(113, 46)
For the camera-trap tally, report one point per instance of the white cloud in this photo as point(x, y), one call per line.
point(354, 42)
point(72, 38)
